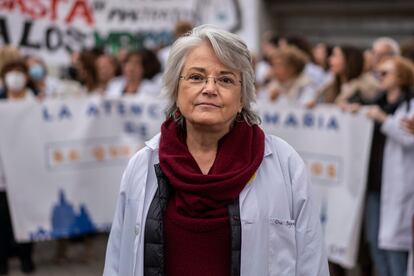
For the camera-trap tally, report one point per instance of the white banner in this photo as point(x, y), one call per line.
point(64, 159)
point(54, 28)
point(335, 147)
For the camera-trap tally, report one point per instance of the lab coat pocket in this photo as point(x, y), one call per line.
point(282, 247)
point(130, 216)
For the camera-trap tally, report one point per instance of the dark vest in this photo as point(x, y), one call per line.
point(154, 230)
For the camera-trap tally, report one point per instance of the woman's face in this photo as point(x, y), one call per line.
point(281, 70)
point(105, 68)
point(15, 80)
point(388, 75)
point(133, 68)
point(214, 104)
point(337, 61)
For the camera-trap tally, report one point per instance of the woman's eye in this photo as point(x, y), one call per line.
point(196, 77)
point(226, 80)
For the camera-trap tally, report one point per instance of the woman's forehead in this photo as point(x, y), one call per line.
point(203, 58)
point(387, 65)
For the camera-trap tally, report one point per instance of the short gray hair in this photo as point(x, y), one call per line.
point(229, 49)
point(391, 44)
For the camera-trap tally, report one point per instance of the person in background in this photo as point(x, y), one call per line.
point(141, 76)
point(321, 53)
point(8, 53)
point(108, 70)
point(390, 197)
point(384, 47)
point(41, 84)
point(213, 194)
point(349, 83)
point(86, 72)
point(15, 78)
point(263, 70)
point(181, 28)
point(316, 73)
point(290, 84)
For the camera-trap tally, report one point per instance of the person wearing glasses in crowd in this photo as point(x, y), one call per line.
point(212, 194)
point(383, 48)
point(390, 207)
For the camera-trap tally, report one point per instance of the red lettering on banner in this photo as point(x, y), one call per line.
point(7, 5)
point(80, 8)
point(19, 3)
point(38, 9)
point(53, 9)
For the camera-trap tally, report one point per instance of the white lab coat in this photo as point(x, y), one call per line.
point(281, 233)
point(397, 190)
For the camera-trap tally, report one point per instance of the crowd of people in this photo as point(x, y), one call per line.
point(378, 81)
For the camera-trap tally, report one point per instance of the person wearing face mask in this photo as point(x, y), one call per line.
point(15, 79)
point(40, 82)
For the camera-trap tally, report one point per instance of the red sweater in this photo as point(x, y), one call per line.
point(196, 249)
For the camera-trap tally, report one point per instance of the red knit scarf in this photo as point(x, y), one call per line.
point(197, 228)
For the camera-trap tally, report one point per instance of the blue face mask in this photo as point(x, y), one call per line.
point(37, 72)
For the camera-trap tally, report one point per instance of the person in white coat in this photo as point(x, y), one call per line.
point(212, 194)
point(396, 210)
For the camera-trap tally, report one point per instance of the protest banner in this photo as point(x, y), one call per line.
point(64, 160)
point(336, 147)
point(53, 29)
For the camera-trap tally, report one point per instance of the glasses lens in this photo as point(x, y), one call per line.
point(383, 73)
point(197, 79)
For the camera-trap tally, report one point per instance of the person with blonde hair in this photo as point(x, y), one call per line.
point(8, 53)
point(290, 84)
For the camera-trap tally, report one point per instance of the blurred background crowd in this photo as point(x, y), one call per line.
point(289, 69)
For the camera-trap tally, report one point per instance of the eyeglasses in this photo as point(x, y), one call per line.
point(199, 80)
point(384, 73)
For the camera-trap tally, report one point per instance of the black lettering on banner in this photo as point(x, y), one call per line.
point(4, 34)
point(75, 37)
point(24, 42)
point(123, 15)
point(53, 38)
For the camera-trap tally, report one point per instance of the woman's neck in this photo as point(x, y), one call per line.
point(203, 144)
point(288, 83)
point(393, 95)
point(16, 94)
point(132, 86)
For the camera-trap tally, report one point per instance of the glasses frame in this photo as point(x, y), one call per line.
point(186, 78)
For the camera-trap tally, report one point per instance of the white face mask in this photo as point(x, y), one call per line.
point(15, 81)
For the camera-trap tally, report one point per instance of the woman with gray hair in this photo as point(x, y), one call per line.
point(212, 194)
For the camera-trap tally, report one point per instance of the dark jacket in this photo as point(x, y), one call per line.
point(154, 230)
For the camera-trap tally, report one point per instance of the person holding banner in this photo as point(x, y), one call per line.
point(15, 77)
point(212, 194)
point(389, 212)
